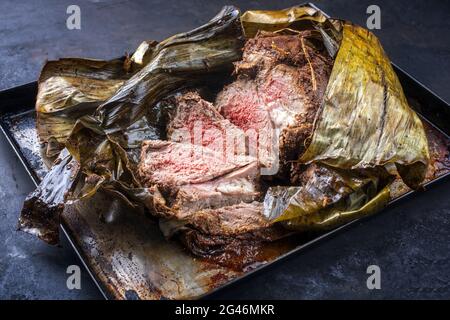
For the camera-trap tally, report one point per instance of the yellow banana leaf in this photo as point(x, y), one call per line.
point(328, 198)
point(364, 123)
point(365, 119)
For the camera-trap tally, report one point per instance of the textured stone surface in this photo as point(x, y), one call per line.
point(409, 242)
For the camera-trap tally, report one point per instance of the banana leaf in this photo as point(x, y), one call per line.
point(47, 201)
point(365, 120)
point(141, 56)
point(328, 198)
point(69, 89)
point(181, 60)
point(364, 124)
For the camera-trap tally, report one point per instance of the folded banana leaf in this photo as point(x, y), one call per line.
point(365, 119)
point(364, 123)
point(328, 197)
point(69, 89)
point(100, 111)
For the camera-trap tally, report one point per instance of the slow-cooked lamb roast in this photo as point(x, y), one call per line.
point(206, 178)
point(241, 159)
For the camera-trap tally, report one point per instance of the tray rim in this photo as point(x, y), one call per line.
point(283, 257)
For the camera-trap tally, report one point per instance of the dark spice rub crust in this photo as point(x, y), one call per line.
point(279, 88)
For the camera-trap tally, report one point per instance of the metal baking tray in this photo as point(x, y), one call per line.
point(126, 254)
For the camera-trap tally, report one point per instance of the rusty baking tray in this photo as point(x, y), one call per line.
point(126, 254)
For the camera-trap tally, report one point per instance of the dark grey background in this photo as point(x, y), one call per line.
point(410, 242)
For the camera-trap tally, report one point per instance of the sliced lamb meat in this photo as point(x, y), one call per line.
point(281, 81)
point(238, 185)
point(189, 177)
point(197, 121)
point(241, 104)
